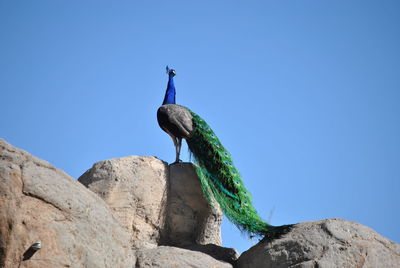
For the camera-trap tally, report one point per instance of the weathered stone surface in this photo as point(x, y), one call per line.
point(229, 255)
point(158, 205)
point(191, 220)
point(135, 188)
point(326, 243)
point(143, 190)
point(172, 257)
point(41, 203)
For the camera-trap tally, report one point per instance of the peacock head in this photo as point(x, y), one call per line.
point(170, 72)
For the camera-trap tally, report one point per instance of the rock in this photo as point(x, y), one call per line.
point(229, 255)
point(39, 203)
point(48, 219)
point(135, 188)
point(326, 243)
point(172, 257)
point(141, 191)
point(191, 220)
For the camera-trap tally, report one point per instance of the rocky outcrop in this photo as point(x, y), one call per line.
point(140, 212)
point(135, 188)
point(143, 190)
point(191, 220)
point(326, 243)
point(173, 257)
point(41, 203)
point(48, 219)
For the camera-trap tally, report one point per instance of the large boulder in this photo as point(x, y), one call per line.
point(191, 220)
point(325, 243)
point(135, 188)
point(173, 257)
point(40, 203)
point(143, 190)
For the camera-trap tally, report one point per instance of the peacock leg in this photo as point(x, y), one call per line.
point(178, 145)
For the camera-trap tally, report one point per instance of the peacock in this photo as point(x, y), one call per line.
point(220, 180)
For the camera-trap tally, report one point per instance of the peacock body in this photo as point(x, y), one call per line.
point(220, 180)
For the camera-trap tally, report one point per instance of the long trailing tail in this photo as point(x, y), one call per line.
point(221, 181)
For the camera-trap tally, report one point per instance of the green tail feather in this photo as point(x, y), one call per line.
point(221, 181)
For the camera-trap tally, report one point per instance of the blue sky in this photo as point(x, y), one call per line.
point(304, 94)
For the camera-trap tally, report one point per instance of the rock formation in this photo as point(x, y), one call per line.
point(120, 221)
point(326, 243)
point(41, 203)
point(143, 190)
point(171, 257)
point(135, 188)
point(140, 212)
point(190, 221)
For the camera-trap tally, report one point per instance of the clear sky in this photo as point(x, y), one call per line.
point(304, 94)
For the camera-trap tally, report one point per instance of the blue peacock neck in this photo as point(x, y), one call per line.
point(170, 93)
